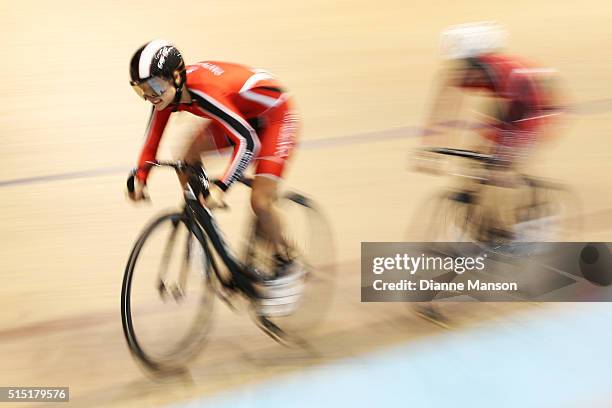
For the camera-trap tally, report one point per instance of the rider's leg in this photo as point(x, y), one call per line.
point(278, 139)
point(506, 192)
point(264, 196)
point(279, 296)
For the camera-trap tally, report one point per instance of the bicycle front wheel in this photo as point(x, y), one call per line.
point(166, 297)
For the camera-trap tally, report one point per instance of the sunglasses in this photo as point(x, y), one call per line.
point(151, 87)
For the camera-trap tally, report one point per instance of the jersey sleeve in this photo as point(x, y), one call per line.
point(155, 130)
point(245, 139)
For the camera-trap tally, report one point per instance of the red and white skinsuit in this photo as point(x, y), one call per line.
point(249, 110)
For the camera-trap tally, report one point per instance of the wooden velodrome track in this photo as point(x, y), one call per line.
point(355, 67)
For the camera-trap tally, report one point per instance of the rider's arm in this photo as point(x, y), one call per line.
point(246, 142)
point(446, 101)
point(155, 130)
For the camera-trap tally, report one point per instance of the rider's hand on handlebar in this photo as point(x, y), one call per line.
point(215, 198)
point(139, 191)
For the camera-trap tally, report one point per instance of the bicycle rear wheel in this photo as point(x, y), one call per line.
point(309, 235)
point(166, 297)
point(544, 212)
point(552, 212)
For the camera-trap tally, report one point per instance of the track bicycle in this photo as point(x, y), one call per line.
point(181, 261)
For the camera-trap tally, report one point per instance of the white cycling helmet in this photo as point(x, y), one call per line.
point(471, 40)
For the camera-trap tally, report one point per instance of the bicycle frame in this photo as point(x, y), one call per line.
point(202, 225)
point(202, 217)
point(538, 188)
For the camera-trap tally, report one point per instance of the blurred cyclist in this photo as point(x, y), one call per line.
point(524, 94)
point(523, 98)
point(249, 112)
point(521, 105)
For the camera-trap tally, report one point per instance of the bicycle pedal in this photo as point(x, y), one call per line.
point(272, 330)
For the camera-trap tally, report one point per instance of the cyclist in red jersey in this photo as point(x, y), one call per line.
point(524, 104)
point(249, 111)
point(524, 94)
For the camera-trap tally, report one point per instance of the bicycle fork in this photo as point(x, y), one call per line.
point(205, 218)
point(179, 288)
